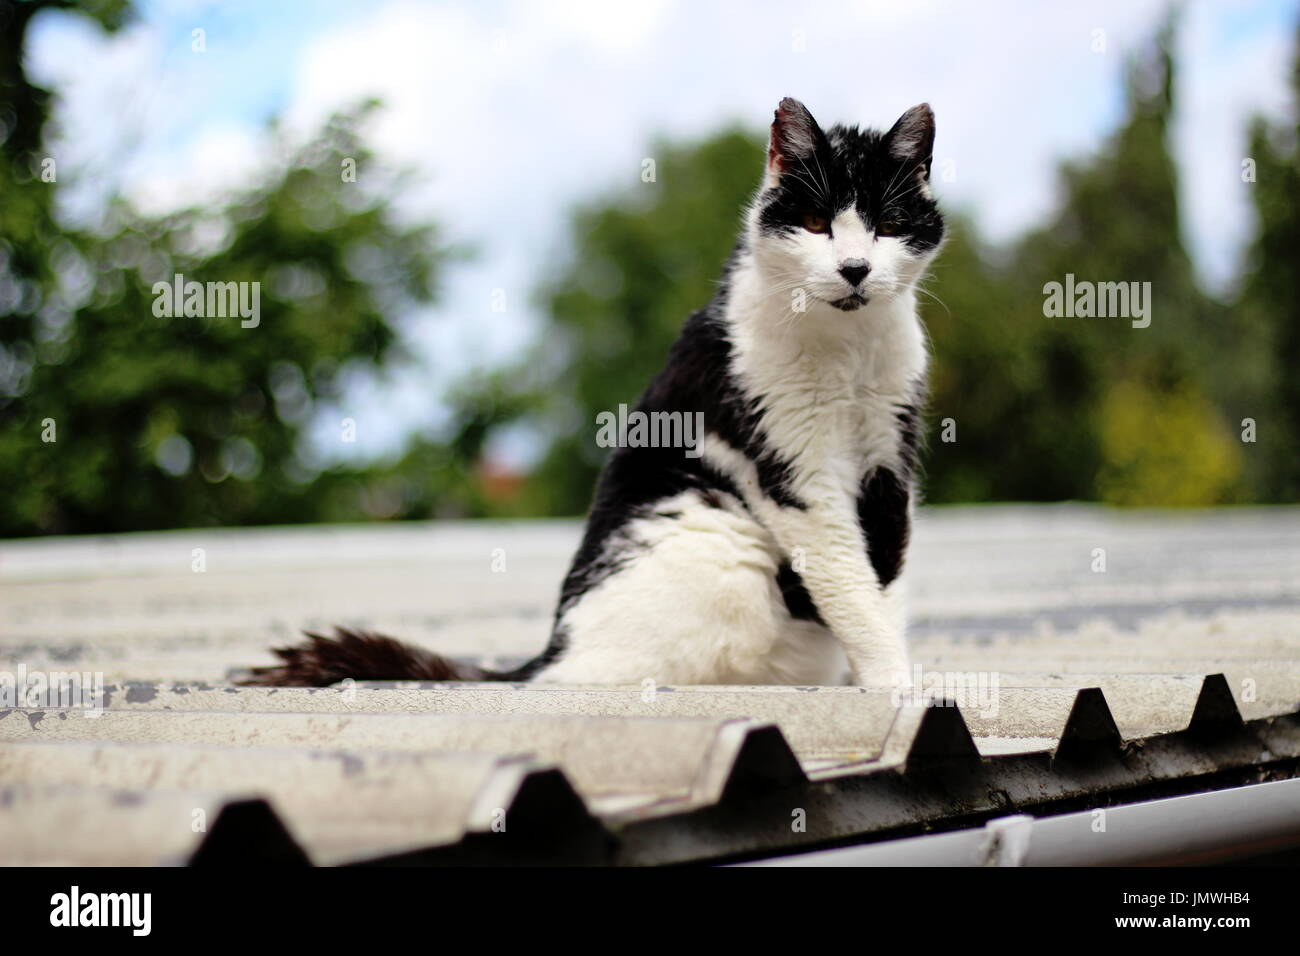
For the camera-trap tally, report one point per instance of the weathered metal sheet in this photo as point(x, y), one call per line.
point(1191, 585)
point(821, 723)
point(635, 759)
point(1100, 683)
point(94, 826)
point(747, 789)
point(824, 725)
point(339, 806)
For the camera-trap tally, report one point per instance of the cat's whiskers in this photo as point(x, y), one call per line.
point(784, 287)
point(920, 287)
point(917, 183)
point(804, 179)
point(888, 191)
point(826, 188)
point(789, 317)
point(820, 189)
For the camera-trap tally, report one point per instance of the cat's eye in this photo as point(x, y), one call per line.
point(814, 223)
point(889, 226)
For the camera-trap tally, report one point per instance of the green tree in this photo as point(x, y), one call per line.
point(641, 263)
point(1266, 387)
point(985, 372)
point(1032, 396)
point(1042, 408)
point(164, 422)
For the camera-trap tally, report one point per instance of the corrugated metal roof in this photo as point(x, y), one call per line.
point(1176, 669)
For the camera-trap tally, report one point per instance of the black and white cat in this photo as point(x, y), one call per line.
point(775, 555)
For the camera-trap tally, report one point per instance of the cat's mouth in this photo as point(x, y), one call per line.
point(850, 302)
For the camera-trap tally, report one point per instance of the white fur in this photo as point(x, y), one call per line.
point(707, 584)
point(833, 382)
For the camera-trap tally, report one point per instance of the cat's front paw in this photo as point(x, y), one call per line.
point(895, 678)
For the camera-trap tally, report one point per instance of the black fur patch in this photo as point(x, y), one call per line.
point(696, 378)
point(909, 429)
point(883, 514)
point(858, 168)
point(797, 599)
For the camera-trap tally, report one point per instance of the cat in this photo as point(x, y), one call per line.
point(773, 552)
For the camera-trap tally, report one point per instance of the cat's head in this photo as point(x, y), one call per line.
point(846, 215)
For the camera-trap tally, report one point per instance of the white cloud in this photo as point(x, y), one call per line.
point(222, 159)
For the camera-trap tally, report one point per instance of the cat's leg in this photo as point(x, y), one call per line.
point(894, 606)
point(837, 572)
point(693, 600)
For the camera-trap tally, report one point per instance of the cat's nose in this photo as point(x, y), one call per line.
point(854, 270)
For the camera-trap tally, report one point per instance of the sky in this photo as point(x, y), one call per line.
point(511, 113)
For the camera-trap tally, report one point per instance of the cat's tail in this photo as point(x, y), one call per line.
point(361, 655)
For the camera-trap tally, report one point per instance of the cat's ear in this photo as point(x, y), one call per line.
point(795, 137)
point(912, 138)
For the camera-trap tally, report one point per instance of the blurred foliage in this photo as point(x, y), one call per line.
point(192, 421)
point(163, 422)
point(1032, 395)
point(1266, 349)
point(636, 273)
point(1044, 408)
point(1165, 447)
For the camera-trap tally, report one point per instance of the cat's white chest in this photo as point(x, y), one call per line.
point(837, 415)
point(858, 431)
